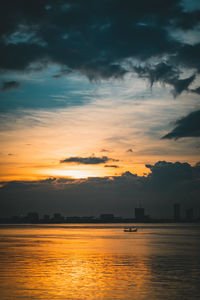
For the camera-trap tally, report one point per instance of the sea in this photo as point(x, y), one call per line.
point(99, 261)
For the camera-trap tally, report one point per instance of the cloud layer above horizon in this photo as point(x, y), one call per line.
point(166, 184)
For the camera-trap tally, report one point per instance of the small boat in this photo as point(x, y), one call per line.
point(130, 229)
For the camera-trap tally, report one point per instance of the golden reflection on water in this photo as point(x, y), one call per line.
point(75, 263)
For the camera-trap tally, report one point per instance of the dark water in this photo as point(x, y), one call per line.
point(99, 262)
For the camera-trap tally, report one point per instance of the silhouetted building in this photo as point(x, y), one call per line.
point(32, 217)
point(46, 217)
point(139, 213)
point(106, 217)
point(189, 214)
point(58, 218)
point(15, 219)
point(177, 212)
point(77, 219)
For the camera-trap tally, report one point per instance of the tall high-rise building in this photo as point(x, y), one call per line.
point(177, 212)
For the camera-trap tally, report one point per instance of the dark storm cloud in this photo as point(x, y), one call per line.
point(9, 85)
point(92, 160)
point(162, 72)
point(166, 184)
point(187, 20)
point(181, 85)
point(196, 91)
point(188, 57)
point(166, 172)
point(96, 38)
point(166, 74)
point(188, 126)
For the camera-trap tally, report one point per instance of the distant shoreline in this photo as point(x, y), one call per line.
point(157, 221)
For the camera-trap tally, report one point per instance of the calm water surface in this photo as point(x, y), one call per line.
point(99, 262)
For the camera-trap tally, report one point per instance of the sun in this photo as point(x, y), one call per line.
point(77, 174)
point(76, 171)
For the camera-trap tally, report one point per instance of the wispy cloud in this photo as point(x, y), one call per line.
point(130, 150)
point(111, 166)
point(10, 85)
point(105, 150)
point(92, 160)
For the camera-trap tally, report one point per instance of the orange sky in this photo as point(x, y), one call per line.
point(33, 144)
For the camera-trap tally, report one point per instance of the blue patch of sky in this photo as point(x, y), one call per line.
point(40, 90)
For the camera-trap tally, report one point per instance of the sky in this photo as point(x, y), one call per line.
point(99, 106)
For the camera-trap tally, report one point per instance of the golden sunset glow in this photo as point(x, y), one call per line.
point(33, 152)
point(71, 173)
point(76, 261)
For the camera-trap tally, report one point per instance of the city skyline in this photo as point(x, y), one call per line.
point(140, 216)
